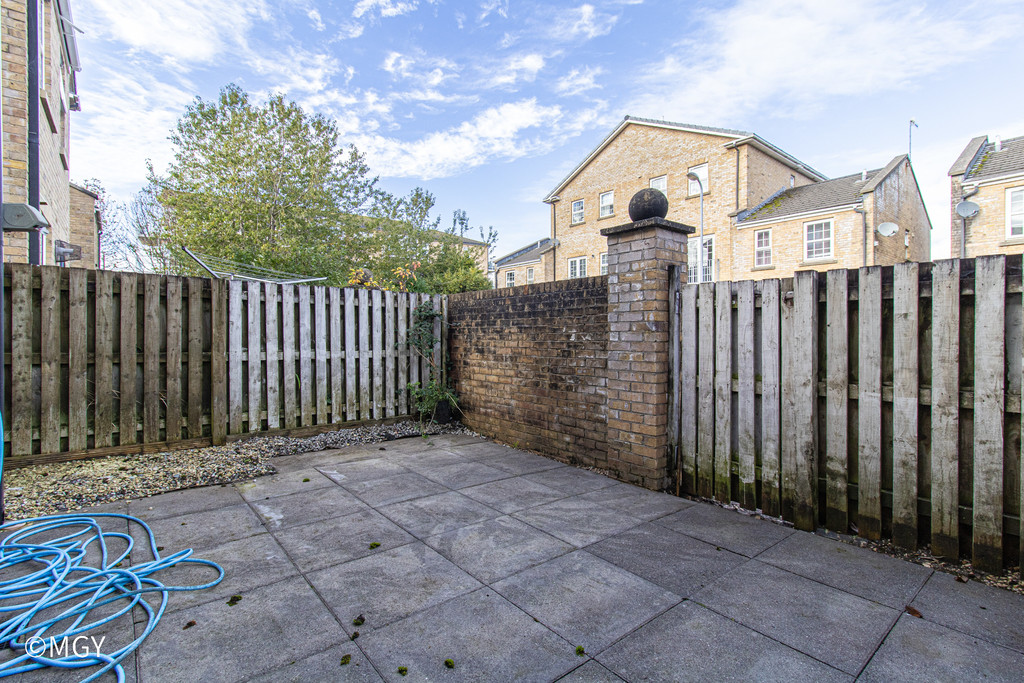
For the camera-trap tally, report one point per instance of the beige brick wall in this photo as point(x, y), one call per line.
point(788, 246)
point(83, 227)
point(986, 232)
point(764, 176)
point(543, 271)
point(15, 113)
point(897, 199)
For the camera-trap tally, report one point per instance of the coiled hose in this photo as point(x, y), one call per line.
point(57, 571)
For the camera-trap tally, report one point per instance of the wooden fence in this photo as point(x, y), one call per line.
point(100, 362)
point(885, 400)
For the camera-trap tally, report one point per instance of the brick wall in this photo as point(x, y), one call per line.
point(530, 363)
point(83, 227)
point(897, 199)
point(986, 232)
point(15, 113)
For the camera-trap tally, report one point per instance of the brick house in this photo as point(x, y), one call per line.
point(739, 172)
point(44, 180)
point(526, 265)
point(991, 175)
point(85, 225)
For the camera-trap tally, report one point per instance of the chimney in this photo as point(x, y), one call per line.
point(999, 144)
point(864, 175)
point(792, 181)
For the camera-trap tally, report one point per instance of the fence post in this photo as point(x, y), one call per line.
point(639, 256)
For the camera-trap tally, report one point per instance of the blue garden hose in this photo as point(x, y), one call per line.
point(53, 574)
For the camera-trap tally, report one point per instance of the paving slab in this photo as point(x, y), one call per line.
point(340, 539)
point(363, 470)
point(521, 462)
point(486, 637)
point(388, 586)
point(497, 548)
point(325, 666)
point(571, 480)
point(577, 521)
point(855, 570)
point(483, 451)
point(331, 456)
point(460, 475)
point(283, 483)
point(306, 506)
point(691, 643)
point(421, 460)
point(591, 672)
point(832, 626)
point(675, 562)
point(449, 440)
point(586, 600)
point(183, 502)
point(728, 529)
point(271, 626)
point(407, 444)
point(437, 514)
point(637, 501)
point(395, 489)
point(973, 608)
point(201, 530)
point(513, 494)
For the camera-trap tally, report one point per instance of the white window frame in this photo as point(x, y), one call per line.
point(604, 263)
point(831, 240)
point(605, 210)
point(577, 267)
point(575, 217)
point(1010, 215)
point(510, 278)
point(660, 183)
point(693, 189)
point(758, 249)
point(529, 276)
point(709, 259)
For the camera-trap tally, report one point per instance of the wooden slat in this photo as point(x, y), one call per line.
point(690, 341)
point(320, 380)
point(128, 359)
point(50, 348)
point(288, 356)
point(78, 347)
point(103, 420)
point(305, 361)
point(869, 404)
point(351, 397)
point(403, 353)
point(770, 397)
point(364, 355)
point(706, 380)
point(235, 319)
point(723, 391)
point(438, 364)
point(173, 419)
point(745, 405)
point(837, 379)
point(218, 361)
point(152, 284)
point(414, 358)
point(273, 354)
point(905, 404)
point(945, 407)
point(337, 352)
point(389, 354)
point(989, 381)
point(425, 373)
point(195, 357)
point(22, 403)
point(377, 332)
point(253, 351)
point(787, 400)
point(805, 415)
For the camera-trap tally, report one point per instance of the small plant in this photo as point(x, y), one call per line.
point(234, 600)
point(435, 397)
point(355, 634)
point(359, 621)
point(374, 545)
point(580, 651)
point(345, 659)
point(403, 670)
point(305, 480)
point(449, 664)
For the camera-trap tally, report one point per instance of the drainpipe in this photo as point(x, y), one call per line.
point(864, 216)
point(32, 21)
point(963, 231)
point(737, 150)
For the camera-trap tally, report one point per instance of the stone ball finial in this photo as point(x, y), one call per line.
point(648, 203)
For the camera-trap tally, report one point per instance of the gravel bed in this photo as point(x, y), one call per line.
point(57, 488)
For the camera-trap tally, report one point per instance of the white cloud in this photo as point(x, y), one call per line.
point(583, 22)
point(314, 16)
point(518, 68)
point(579, 81)
point(180, 30)
point(424, 70)
point(385, 8)
point(295, 71)
point(488, 7)
point(790, 55)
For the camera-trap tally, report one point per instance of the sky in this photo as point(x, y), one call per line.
point(488, 104)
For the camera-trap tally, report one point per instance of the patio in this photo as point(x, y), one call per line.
point(505, 562)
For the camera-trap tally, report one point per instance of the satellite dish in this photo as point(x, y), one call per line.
point(887, 229)
point(967, 209)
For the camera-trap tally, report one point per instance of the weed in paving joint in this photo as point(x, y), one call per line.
point(359, 621)
point(580, 651)
point(234, 600)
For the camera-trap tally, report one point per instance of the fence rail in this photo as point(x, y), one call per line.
point(199, 360)
point(885, 400)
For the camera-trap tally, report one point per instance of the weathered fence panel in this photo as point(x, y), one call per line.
point(884, 401)
point(103, 362)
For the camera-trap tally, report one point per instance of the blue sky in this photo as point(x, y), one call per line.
point(488, 104)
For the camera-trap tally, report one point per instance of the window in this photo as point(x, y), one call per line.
point(692, 259)
point(577, 211)
point(529, 276)
point(607, 203)
point(661, 184)
point(762, 248)
point(1015, 212)
point(702, 173)
point(604, 263)
point(510, 278)
point(818, 240)
point(577, 267)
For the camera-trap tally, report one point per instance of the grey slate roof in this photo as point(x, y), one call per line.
point(823, 195)
point(990, 163)
point(531, 252)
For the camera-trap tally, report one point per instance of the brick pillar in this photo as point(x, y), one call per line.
point(639, 257)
